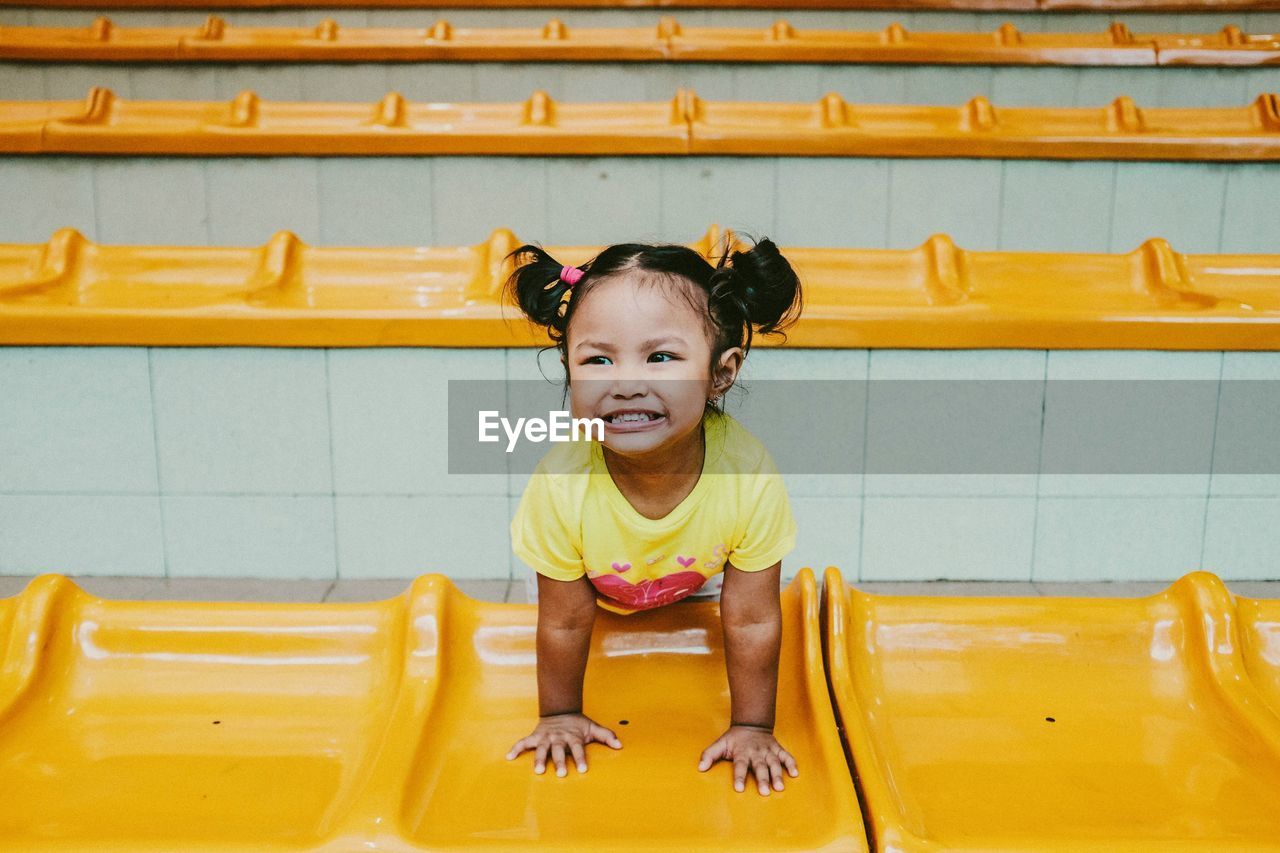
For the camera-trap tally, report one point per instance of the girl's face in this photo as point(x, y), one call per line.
point(639, 359)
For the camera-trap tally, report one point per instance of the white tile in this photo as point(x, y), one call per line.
point(867, 84)
point(150, 200)
point(583, 203)
point(251, 198)
point(1056, 206)
point(1034, 86)
point(270, 82)
point(733, 192)
point(832, 201)
point(56, 192)
point(22, 82)
point(80, 535)
point(352, 82)
point(76, 419)
point(586, 82)
point(474, 195)
point(262, 537)
point(375, 201)
point(1156, 539)
point(1249, 222)
point(954, 422)
point(438, 82)
point(462, 537)
point(956, 197)
point(517, 81)
point(1181, 202)
point(821, 455)
point(829, 535)
point(958, 364)
point(947, 538)
point(1242, 538)
point(234, 420)
point(70, 82)
point(391, 419)
point(1136, 433)
point(776, 82)
point(1246, 455)
point(172, 82)
point(947, 85)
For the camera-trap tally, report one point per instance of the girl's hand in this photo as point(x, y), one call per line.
point(562, 732)
point(751, 748)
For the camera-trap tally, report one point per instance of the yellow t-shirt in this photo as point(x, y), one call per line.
point(573, 521)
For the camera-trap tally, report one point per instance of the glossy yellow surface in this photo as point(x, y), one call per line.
point(73, 291)
point(910, 5)
point(686, 125)
point(175, 726)
point(1061, 724)
point(216, 40)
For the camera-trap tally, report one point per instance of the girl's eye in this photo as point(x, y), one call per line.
point(597, 359)
point(663, 356)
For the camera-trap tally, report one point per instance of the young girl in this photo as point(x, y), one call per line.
point(651, 337)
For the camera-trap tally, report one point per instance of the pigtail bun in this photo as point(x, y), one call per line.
point(535, 286)
point(757, 290)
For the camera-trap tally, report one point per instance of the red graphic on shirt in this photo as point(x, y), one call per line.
point(648, 594)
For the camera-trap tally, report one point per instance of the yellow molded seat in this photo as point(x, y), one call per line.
point(148, 726)
point(1054, 724)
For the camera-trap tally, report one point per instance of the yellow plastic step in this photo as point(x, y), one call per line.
point(1058, 724)
point(286, 293)
point(164, 726)
point(670, 41)
point(687, 125)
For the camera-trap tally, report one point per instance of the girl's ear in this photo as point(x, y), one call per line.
point(726, 369)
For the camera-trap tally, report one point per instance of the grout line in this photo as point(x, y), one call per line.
point(333, 490)
point(862, 499)
point(155, 450)
point(1035, 513)
point(1213, 449)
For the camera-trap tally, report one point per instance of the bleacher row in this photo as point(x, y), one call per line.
point(70, 291)
point(105, 124)
point(218, 41)
point(380, 726)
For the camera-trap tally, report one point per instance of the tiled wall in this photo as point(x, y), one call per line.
point(324, 463)
point(1033, 205)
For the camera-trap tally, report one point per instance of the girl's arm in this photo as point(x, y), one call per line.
point(566, 615)
point(751, 612)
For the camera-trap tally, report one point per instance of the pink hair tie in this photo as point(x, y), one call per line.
point(570, 275)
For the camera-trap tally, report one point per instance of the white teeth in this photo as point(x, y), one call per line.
point(632, 417)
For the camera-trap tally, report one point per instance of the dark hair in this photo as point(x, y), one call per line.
point(747, 292)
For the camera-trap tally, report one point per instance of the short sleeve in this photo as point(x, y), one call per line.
point(770, 530)
point(541, 534)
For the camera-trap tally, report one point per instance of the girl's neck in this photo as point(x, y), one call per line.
point(656, 483)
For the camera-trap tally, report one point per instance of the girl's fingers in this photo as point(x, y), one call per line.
point(540, 758)
point(579, 756)
point(711, 755)
point(761, 771)
point(602, 735)
point(739, 774)
point(775, 770)
point(790, 762)
point(517, 748)
point(557, 756)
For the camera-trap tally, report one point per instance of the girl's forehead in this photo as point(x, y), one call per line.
point(634, 306)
